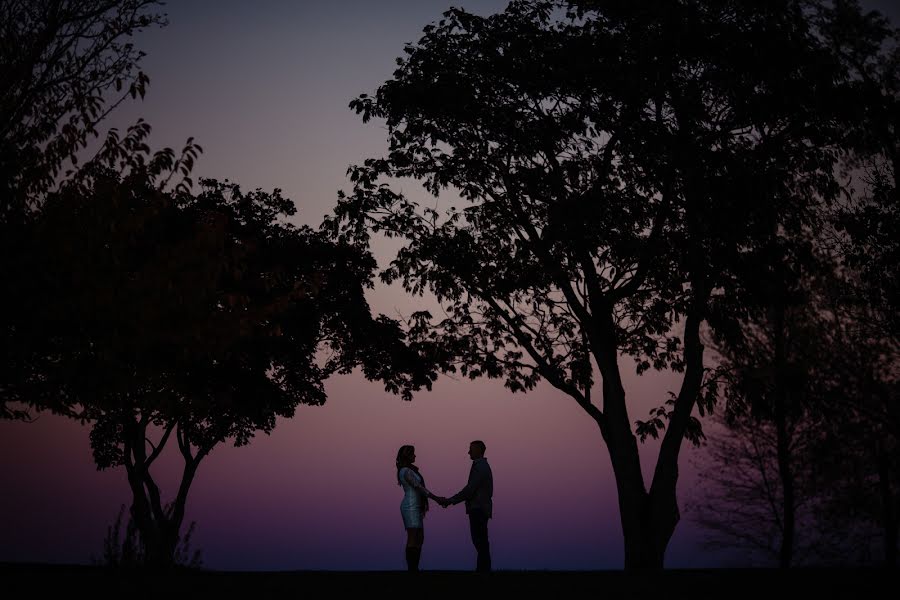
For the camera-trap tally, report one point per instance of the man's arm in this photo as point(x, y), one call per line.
point(477, 478)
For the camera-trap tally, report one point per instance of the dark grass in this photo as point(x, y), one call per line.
point(74, 581)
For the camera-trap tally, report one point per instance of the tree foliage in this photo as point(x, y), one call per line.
point(622, 170)
point(64, 66)
point(818, 352)
point(147, 310)
point(200, 317)
point(811, 425)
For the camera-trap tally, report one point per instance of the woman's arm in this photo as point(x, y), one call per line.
point(416, 483)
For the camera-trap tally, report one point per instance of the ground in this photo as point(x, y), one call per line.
point(38, 581)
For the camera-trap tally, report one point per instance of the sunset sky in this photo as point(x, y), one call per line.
point(264, 88)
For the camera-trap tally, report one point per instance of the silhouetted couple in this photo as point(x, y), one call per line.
point(477, 496)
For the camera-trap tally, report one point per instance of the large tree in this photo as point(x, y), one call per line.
point(622, 170)
point(197, 318)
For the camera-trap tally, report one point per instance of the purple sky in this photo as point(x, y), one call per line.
point(265, 92)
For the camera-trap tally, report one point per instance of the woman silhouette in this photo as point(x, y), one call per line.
point(414, 504)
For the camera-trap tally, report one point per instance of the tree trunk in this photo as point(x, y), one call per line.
point(159, 533)
point(648, 519)
point(159, 550)
point(659, 512)
point(783, 450)
point(155, 534)
point(159, 526)
point(648, 522)
point(890, 518)
point(643, 549)
point(785, 472)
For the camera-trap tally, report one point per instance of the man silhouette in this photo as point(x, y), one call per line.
point(477, 496)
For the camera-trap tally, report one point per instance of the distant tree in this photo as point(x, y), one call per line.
point(806, 468)
point(621, 167)
point(740, 502)
point(868, 217)
point(195, 317)
point(864, 477)
point(758, 491)
point(859, 446)
point(849, 463)
point(858, 454)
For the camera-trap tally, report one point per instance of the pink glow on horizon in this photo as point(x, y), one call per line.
point(320, 491)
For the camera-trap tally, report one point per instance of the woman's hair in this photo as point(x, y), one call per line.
point(404, 459)
point(404, 455)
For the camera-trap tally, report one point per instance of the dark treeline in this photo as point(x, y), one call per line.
point(808, 468)
point(638, 181)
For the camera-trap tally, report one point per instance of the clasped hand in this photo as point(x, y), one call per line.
point(444, 502)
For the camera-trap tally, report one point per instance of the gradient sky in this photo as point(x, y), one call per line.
point(264, 88)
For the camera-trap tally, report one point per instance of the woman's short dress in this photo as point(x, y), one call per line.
point(412, 507)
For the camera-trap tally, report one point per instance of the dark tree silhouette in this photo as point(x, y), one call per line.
point(148, 311)
point(868, 218)
point(195, 318)
point(776, 425)
point(813, 371)
point(621, 167)
point(740, 502)
point(858, 450)
point(807, 467)
point(759, 491)
point(864, 438)
point(64, 66)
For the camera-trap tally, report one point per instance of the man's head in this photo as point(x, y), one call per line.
point(476, 449)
